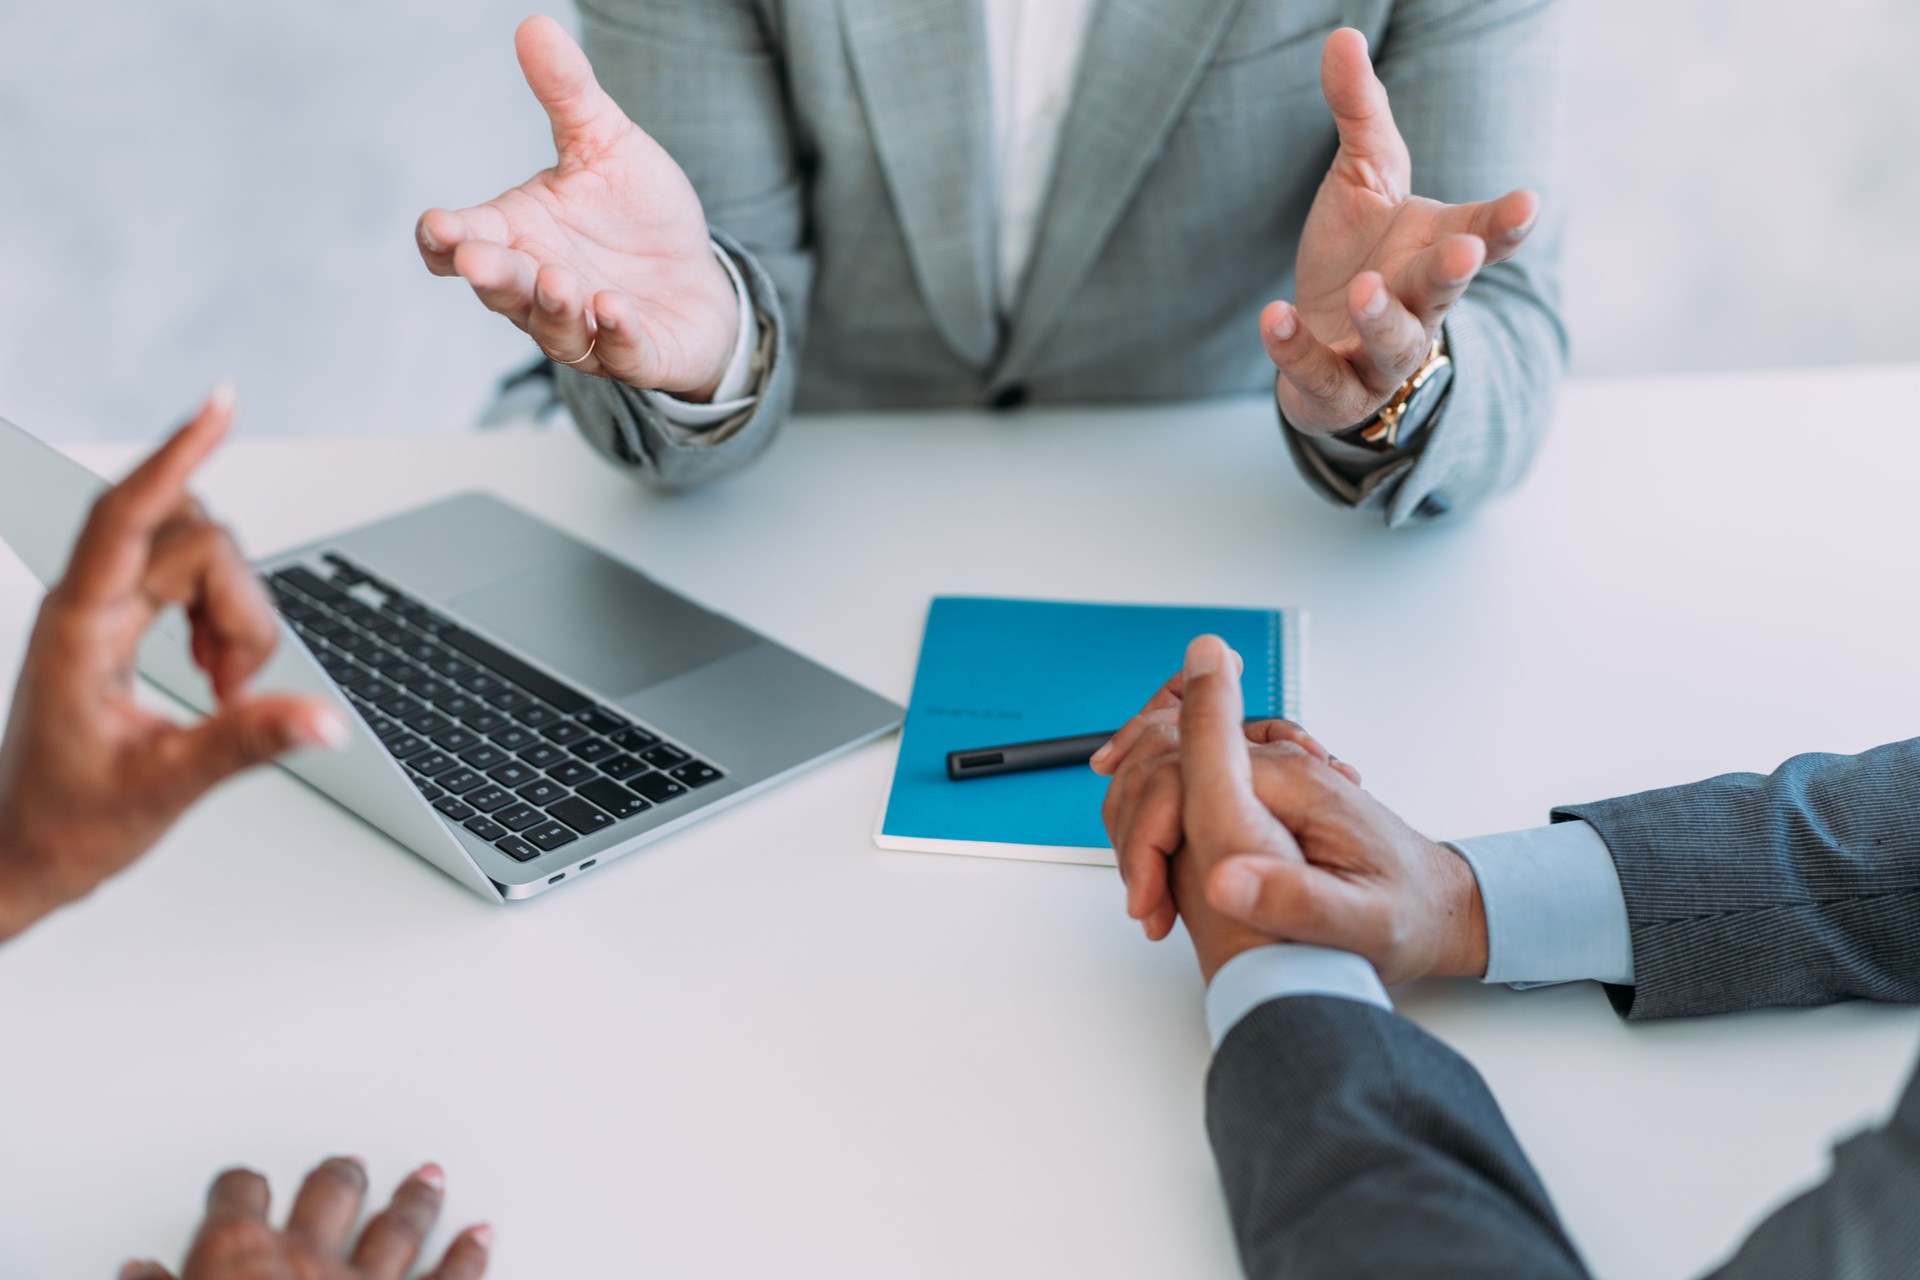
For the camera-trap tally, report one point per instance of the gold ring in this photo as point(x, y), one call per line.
point(592, 344)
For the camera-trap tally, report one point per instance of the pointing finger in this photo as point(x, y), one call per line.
point(1370, 142)
point(1216, 771)
point(114, 544)
point(1503, 225)
point(1433, 281)
point(1320, 392)
point(1394, 340)
point(584, 118)
point(502, 278)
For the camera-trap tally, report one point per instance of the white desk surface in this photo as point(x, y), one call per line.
point(765, 1047)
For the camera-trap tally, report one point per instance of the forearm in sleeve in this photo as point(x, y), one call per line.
point(1799, 887)
point(1476, 88)
point(1351, 1143)
point(704, 78)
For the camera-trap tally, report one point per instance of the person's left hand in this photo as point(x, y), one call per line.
point(1273, 843)
point(89, 779)
point(1378, 267)
point(236, 1242)
point(1144, 803)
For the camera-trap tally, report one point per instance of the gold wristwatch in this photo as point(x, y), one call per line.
point(1413, 402)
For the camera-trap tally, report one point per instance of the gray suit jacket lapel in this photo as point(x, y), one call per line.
point(921, 67)
point(1142, 62)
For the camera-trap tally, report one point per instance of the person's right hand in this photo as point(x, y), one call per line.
point(89, 779)
point(607, 252)
point(236, 1242)
point(1277, 844)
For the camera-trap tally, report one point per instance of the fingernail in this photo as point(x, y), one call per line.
point(427, 239)
point(221, 398)
point(1236, 888)
point(1203, 656)
point(357, 1163)
point(1376, 306)
point(326, 729)
point(1286, 325)
point(1102, 753)
point(609, 323)
point(482, 1235)
point(433, 1176)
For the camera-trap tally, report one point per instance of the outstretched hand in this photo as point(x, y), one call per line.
point(1275, 842)
point(236, 1242)
point(604, 259)
point(89, 779)
point(1378, 268)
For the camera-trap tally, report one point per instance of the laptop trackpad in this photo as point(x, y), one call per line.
point(596, 621)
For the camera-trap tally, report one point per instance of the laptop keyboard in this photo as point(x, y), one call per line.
point(521, 760)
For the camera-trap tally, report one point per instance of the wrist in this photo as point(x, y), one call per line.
point(29, 887)
point(1463, 953)
point(731, 310)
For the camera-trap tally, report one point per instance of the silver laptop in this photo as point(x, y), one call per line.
point(525, 708)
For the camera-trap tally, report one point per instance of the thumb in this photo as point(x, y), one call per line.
point(245, 735)
point(1296, 901)
point(557, 70)
point(1369, 139)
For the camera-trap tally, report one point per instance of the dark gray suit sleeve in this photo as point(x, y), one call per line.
point(1862, 1223)
point(1476, 89)
point(1351, 1143)
point(1800, 887)
point(704, 78)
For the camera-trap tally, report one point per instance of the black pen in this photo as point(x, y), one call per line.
point(1023, 757)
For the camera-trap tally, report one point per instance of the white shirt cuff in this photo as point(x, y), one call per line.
point(1555, 910)
point(1254, 977)
point(730, 397)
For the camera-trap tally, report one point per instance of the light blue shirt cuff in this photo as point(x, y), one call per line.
point(1555, 911)
point(1254, 977)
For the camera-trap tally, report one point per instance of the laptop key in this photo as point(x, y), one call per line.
point(543, 755)
point(453, 808)
point(448, 667)
point(614, 798)
point(518, 817)
point(697, 773)
point(622, 766)
point(506, 698)
point(571, 773)
point(427, 789)
point(635, 739)
point(513, 738)
point(429, 722)
point(512, 774)
point(431, 764)
point(402, 745)
point(486, 828)
point(542, 792)
point(594, 749)
point(664, 756)
point(477, 716)
point(602, 721)
point(488, 798)
point(550, 835)
point(564, 733)
point(459, 781)
point(535, 714)
point(456, 739)
point(581, 816)
point(516, 848)
point(484, 756)
point(480, 683)
point(658, 787)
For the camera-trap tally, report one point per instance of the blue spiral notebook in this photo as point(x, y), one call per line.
point(999, 671)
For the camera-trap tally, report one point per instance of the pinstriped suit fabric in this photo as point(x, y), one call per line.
point(1800, 887)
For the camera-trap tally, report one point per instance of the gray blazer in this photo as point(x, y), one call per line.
point(1352, 1143)
point(841, 149)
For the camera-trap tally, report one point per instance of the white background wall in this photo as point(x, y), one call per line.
point(204, 188)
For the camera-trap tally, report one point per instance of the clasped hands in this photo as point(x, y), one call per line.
point(1254, 834)
point(605, 260)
